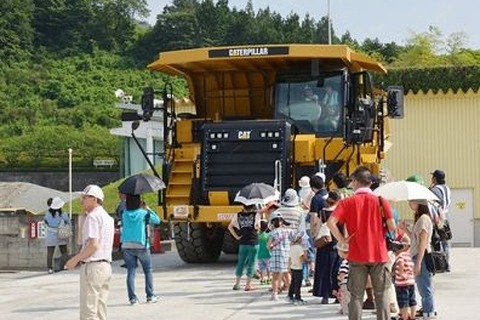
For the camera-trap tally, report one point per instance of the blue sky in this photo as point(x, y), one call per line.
point(387, 20)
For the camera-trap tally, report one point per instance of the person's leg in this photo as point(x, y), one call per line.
point(380, 282)
point(369, 303)
point(424, 285)
point(130, 258)
point(297, 276)
point(275, 284)
point(357, 279)
point(50, 251)
point(94, 288)
point(146, 261)
point(104, 275)
point(242, 258)
point(63, 251)
point(446, 248)
point(251, 264)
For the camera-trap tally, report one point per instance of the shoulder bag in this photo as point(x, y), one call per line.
point(324, 236)
point(64, 230)
point(436, 262)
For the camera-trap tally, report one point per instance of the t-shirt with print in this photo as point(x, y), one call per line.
point(296, 253)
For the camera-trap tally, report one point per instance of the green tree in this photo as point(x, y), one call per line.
point(16, 32)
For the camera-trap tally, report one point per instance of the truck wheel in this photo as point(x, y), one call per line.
point(230, 244)
point(203, 245)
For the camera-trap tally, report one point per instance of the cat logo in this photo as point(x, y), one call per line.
point(244, 135)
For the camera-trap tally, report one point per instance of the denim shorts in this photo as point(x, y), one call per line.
point(406, 297)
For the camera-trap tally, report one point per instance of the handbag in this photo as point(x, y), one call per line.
point(64, 230)
point(444, 232)
point(436, 261)
point(324, 236)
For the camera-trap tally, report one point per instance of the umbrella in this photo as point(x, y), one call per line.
point(404, 191)
point(141, 183)
point(256, 193)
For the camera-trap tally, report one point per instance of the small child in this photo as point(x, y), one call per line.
point(279, 245)
point(264, 254)
point(405, 281)
point(343, 295)
point(296, 258)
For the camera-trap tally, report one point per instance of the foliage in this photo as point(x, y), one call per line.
point(62, 60)
point(434, 78)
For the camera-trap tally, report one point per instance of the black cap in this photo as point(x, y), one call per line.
point(439, 175)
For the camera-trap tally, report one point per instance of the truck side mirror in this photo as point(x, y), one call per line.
point(395, 105)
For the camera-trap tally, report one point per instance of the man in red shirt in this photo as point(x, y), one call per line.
point(367, 254)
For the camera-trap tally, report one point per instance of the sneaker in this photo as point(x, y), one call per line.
point(269, 281)
point(236, 287)
point(262, 282)
point(153, 299)
point(274, 297)
point(134, 302)
point(308, 283)
point(301, 302)
point(50, 271)
point(290, 299)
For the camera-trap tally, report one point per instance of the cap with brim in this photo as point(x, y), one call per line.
point(438, 174)
point(415, 178)
point(57, 203)
point(278, 215)
point(94, 191)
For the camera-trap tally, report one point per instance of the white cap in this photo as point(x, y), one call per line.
point(57, 203)
point(304, 182)
point(93, 190)
point(321, 175)
point(290, 198)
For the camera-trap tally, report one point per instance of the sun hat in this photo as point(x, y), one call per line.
point(94, 191)
point(290, 198)
point(57, 203)
point(304, 182)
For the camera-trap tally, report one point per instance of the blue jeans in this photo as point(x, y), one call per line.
point(247, 255)
point(425, 288)
point(131, 256)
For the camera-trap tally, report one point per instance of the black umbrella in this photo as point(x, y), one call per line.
point(141, 183)
point(256, 193)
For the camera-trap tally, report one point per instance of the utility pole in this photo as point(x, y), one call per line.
point(329, 23)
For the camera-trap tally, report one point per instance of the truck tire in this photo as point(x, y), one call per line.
point(203, 245)
point(230, 244)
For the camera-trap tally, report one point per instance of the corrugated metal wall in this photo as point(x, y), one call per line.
point(439, 131)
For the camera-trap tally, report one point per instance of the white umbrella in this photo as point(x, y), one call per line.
point(404, 191)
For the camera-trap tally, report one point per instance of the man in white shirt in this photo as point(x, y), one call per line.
point(95, 256)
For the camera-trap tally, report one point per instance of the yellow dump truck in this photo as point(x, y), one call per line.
point(263, 113)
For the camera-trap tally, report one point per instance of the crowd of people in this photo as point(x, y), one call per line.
point(350, 263)
point(337, 237)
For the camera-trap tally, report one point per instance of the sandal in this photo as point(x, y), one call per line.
point(250, 288)
point(236, 287)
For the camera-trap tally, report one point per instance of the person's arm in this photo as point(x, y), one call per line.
point(332, 225)
point(231, 228)
point(422, 246)
point(154, 218)
point(90, 248)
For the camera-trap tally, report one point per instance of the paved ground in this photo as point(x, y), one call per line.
point(204, 292)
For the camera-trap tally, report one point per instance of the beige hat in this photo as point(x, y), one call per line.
point(94, 191)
